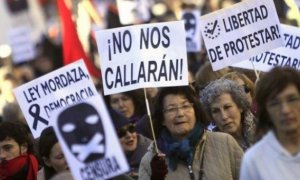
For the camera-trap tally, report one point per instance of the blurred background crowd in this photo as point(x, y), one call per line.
point(31, 40)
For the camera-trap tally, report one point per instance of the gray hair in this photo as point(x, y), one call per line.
point(221, 86)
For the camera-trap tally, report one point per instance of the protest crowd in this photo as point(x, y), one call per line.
point(188, 110)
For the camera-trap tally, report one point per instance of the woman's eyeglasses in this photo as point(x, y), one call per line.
point(173, 110)
point(123, 131)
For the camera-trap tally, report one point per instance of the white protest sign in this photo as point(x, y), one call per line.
point(133, 11)
point(141, 56)
point(23, 47)
point(89, 143)
point(241, 31)
point(193, 36)
point(44, 95)
point(289, 55)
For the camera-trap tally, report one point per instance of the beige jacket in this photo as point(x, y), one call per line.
point(219, 154)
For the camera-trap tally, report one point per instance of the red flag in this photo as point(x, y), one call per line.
point(72, 48)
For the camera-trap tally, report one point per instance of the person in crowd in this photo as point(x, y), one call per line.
point(227, 105)
point(151, 94)
point(192, 81)
point(205, 74)
point(50, 151)
point(278, 103)
point(13, 111)
point(16, 152)
point(133, 144)
point(242, 80)
point(131, 104)
point(190, 151)
point(210, 6)
point(7, 84)
point(247, 84)
point(64, 175)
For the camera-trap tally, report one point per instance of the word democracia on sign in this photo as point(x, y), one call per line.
point(71, 98)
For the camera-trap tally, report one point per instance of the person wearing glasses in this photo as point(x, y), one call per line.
point(133, 144)
point(226, 103)
point(277, 154)
point(185, 149)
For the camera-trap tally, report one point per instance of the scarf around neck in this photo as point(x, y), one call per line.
point(12, 167)
point(180, 150)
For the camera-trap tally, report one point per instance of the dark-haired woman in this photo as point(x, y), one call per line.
point(52, 155)
point(190, 151)
point(131, 105)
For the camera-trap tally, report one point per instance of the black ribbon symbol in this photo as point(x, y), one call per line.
point(34, 111)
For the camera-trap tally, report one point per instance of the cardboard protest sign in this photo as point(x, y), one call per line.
point(149, 55)
point(241, 31)
point(193, 36)
point(23, 47)
point(289, 55)
point(88, 140)
point(133, 11)
point(42, 96)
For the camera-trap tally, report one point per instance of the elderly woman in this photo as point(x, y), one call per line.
point(226, 102)
point(190, 151)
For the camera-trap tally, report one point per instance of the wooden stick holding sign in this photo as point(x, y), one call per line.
point(151, 122)
point(256, 72)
